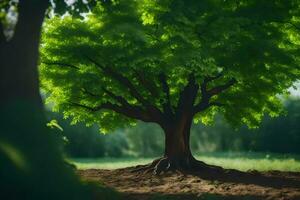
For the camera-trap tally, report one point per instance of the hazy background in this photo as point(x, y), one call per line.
point(276, 135)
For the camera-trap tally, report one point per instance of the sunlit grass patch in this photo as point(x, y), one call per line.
point(240, 161)
point(253, 161)
point(109, 163)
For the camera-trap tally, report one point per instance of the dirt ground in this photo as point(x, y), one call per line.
point(230, 185)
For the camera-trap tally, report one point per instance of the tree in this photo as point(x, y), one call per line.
point(170, 63)
point(19, 77)
point(31, 164)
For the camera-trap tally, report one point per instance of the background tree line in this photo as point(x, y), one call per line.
point(277, 135)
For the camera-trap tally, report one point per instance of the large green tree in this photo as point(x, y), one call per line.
point(172, 62)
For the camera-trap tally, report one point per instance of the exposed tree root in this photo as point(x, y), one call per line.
point(146, 168)
point(165, 164)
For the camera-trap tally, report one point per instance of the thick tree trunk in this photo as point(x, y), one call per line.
point(177, 144)
point(19, 56)
point(31, 163)
point(177, 128)
point(178, 155)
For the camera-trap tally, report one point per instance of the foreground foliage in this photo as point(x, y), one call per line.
point(31, 164)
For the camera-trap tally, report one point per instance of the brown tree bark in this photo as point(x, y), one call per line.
point(23, 130)
point(177, 143)
point(177, 123)
point(19, 56)
point(178, 155)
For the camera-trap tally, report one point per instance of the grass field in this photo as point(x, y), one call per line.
point(240, 161)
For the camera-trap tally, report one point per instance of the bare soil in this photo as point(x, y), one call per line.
point(205, 185)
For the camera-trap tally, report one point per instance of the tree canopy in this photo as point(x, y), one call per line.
point(128, 60)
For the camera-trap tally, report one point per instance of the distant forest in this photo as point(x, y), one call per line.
point(277, 135)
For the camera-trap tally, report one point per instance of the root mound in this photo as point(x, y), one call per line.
point(165, 164)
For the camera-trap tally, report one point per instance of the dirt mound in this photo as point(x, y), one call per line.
point(230, 185)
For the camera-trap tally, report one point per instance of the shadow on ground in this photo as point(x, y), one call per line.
point(204, 185)
point(205, 196)
point(274, 179)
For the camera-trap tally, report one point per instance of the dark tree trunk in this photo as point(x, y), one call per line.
point(19, 56)
point(177, 126)
point(177, 155)
point(177, 143)
point(37, 164)
point(177, 129)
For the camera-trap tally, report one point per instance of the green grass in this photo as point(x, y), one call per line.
point(240, 161)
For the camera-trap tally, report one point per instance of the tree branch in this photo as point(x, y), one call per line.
point(127, 108)
point(119, 99)
point(217, 90)
point(205, 82)
point(93, 109)
point(165, 87)
point(61, 64)
point(207, 94)
point(122, 80)
point(84, 90)
point(118, 109)
point(154, 114)
point(212, 78)
point(152, 111)
point(188, 95)
point(124, 103)
point(146, 83)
